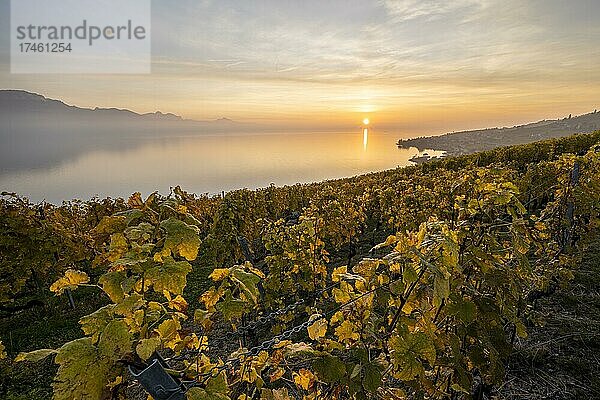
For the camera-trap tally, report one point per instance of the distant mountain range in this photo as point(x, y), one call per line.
point(20, 102)
point(467, 142)
point(37, 132)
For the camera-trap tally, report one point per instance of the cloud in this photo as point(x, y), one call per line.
point(405, 10)
point(265, 54)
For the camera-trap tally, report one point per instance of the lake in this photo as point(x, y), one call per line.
point(210, 164)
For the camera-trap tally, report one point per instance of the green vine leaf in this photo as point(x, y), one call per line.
point(170, 275)
point(181, 239)
point(93, 324)
point(82, 373)
point(407, 353)
point(115, 341)
point(33, 356)
point(372, 378)
point(111, 283)
point(147, 347)
point(329, 369)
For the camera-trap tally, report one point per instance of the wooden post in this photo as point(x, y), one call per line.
point(71, 301)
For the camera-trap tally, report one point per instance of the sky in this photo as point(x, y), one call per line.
point(414, 66)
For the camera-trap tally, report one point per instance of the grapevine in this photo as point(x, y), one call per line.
point(430, 312)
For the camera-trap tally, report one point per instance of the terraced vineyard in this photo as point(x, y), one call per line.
point(411, 283)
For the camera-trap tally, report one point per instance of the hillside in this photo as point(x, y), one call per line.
point(467, 142)
point(22, 103)
point(36, 131)
point(419, 281)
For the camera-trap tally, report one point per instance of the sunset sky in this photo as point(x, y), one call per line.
point(409, 66)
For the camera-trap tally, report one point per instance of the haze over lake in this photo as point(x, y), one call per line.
point(54, 151)
point(210, 163)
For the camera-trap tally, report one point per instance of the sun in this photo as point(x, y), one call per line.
point(366, 121)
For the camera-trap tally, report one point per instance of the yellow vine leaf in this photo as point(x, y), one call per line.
point(337, 272)
point(169, 333)
point(219, 274)
point(318, 329)
point(211, 297)
point(93, 324)
point(115, 341)
point(70, 280)
point(178, 303)
point(110, 224)
point(2, 351)
point(135, 200)
point(118, 246)
point(366, 268)
point(346, 332)
point(342, 295)
point(111, 283)
point(304, 378)
point(255, 270)
point(118, 380)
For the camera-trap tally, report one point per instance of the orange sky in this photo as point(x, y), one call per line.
point(411, 66)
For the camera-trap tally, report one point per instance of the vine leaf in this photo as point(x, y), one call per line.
point(219, 274)
point(276, 374)
point(372, 378)
point(216, 389)
point(304, 378)
point(33, 356)
point(248, 283)
point(111, 284)
point(218, 384)
point(329, 369)
point(346, 331)
point(70, 280)
point(318, 329)
point(170, 275)
point(407, 352)
point(466, 311)
point(231, 308)
point(182, 239)
point(169, 332)
point(441, 287)
point(82, 374)
point(275, 394)
point(146, 347)
point(118, 247)
point(93, 324)
point(110, 224)
point(176, 303)
point(115, 341)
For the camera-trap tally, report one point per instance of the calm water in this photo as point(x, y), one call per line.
point(210, 164)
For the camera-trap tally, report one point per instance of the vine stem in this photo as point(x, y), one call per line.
point(404, 299)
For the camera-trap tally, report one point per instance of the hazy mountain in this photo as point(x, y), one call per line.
point(467, 142)
point(36, 131)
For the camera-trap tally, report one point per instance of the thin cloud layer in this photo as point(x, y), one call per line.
point(409, 61)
